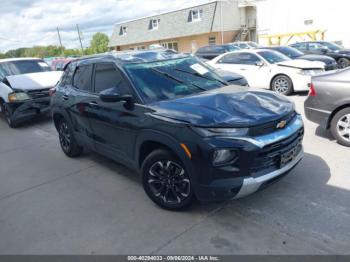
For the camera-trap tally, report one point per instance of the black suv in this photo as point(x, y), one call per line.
point(341, 55)
point(175, 121)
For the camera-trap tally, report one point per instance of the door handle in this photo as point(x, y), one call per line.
point(243, 69)
point(65, 97)
point(93, 103)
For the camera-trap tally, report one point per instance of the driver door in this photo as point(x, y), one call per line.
point(112, 124)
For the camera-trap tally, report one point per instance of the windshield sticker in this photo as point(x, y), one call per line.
point(199, 69)
point(43, 64)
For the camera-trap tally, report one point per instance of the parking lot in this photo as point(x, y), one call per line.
point(50, 204)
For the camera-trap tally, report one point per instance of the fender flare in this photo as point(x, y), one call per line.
point(166, 140)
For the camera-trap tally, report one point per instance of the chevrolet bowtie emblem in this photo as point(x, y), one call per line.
point(281, 124)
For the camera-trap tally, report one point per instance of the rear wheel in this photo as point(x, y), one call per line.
point(67, 141)
point(166, 181)
point(343, 62)
point(282, 84)
point(340, 127)
point(4, 113)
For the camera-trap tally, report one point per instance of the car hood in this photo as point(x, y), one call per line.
point(229, 106)
point(34, 81)
point(302, 64)
point(322, 58)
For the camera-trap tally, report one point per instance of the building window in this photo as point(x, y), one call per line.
point(123, 30)
point(171, 45)
point(195, 15)
point(212, 40)
point(154, 24)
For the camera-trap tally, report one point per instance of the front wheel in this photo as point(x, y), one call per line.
point(4, 113)
point(67, 141)
point(282, 84)
point(343, 63)
point(340, 127)
point(166, 181)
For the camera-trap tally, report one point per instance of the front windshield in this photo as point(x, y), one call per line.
point(332, 46)
point(290, 52)
point(170, 79)
point(22, 67)
point(273, 57)
point(231, 48)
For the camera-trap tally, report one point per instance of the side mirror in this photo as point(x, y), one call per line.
point(260, 63)
point(112, 96)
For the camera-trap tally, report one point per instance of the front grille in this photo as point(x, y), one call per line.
point(36, 94)
point(271, 126)
point(270, 155)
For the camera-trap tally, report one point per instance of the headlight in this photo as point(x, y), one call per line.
point(310, 72)
point(17, 97)
point(224, 156)
point(208, 132)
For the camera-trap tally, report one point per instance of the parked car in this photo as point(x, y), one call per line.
point(24, 88)
point(269, 69)
point(245, 44)
point(212, 51)
point(341, 55)
point(328, 103)
point(59, 64)
point(293, 53)
point(175, 121)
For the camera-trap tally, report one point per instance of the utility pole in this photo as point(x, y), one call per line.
point(59, 39)
point(81, 44)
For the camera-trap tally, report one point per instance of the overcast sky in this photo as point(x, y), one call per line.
point(25, 23)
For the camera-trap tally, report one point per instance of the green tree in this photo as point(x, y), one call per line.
point(99, 43)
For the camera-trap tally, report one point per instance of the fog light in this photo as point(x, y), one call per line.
point(223, 156)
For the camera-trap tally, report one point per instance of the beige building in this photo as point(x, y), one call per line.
point(188, 29)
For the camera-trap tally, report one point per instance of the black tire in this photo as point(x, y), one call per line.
point(282, 84)
point(5, 114)
point(67, 141)
point(343, 62)
point(340, 127)
point(166, 181)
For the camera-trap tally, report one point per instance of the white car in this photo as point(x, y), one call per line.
point(24, 88)
point(270, 69)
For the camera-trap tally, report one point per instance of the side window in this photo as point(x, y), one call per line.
point(82, 77)
point(107, 76)
point(240, 58)
point(301, 46)
point(68, 75)
point(230, 59)
point(315, 46)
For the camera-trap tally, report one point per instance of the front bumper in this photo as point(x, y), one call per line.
point(260, 164)
point(22, 111)
point(333, 66)
point(251, 184)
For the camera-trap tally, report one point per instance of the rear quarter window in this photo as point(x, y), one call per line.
point(82, 77)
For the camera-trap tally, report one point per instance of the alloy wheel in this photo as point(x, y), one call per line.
point(64, 136)
point(343, 127)
point(169, 182)
point(281, 85)
point(343, 63)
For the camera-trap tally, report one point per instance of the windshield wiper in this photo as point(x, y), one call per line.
point(202, 76)
point(176, 79)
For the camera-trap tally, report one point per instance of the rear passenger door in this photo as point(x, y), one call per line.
point(78, 99)
point(113, 127)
